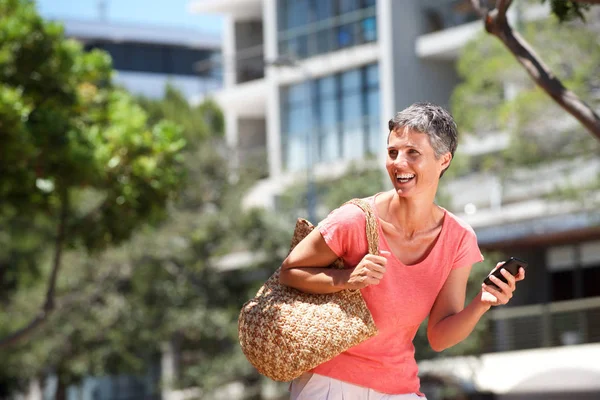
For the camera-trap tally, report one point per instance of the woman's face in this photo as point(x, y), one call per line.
point(411, 163)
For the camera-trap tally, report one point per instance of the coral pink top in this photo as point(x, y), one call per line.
point(399, 304)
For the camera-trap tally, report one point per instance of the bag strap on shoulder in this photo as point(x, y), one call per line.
point(371, 223)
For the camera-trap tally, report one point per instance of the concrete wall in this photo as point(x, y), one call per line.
point(416, 79)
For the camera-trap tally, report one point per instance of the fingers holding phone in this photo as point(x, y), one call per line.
point(499, 285)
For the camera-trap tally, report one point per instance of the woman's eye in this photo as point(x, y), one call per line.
point(392, 153)
point(413, 151)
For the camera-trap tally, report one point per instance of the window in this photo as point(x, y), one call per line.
point(155, 58)
point(312, 27)
point(342, 115)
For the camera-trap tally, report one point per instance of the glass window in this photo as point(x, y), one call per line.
point(350, 81)
point(329, 145)
point(347, 6)
point(325, 40)
point(352, 126)
point(342, 114)
point(345, 36)
point(311, 27)
point(375, 137)
point(298, 46)
point(296, 93)
point(369, 30)
point(323, 9)
point(372, 72)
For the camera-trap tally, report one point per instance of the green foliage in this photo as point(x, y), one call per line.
point(65, 129)
point(74, 151)
point(499, 96)
point(566, 10)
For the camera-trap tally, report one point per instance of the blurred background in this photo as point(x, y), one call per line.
point(154, 157)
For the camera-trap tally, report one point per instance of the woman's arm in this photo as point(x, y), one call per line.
point(449, 321)
point(305, 268)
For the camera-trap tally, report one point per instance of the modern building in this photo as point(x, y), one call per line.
point(307, 85)
point(147, 58)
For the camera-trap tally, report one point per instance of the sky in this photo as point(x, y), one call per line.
point(153, 12)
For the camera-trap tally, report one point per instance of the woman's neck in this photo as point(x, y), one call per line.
point(411, 217)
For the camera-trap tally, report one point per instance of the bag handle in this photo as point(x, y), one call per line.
point(371, 222)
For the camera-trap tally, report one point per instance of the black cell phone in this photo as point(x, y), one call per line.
point(512, 265)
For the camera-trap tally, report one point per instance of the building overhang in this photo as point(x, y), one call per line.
point(238, 9)
point(447, 44)
point(89, 30)
point(542, 231)
point(247, 99)
point(564, 372)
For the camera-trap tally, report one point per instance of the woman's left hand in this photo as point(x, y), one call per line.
point(493, 296)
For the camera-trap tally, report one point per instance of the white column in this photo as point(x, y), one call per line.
point(229, 52)
point(273, 119)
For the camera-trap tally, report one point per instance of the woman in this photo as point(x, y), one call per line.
point(426, 257)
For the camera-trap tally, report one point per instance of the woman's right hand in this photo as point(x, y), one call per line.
point(369, 271)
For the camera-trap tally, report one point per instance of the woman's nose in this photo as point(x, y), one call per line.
point(400, 161)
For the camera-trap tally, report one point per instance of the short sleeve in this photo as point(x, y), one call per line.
point(344, 232)
point(468, 252)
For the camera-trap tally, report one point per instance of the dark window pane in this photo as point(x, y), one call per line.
point(591, 278)
point(369, 3)
point(347, 6)
point(325, 40)
point(282, 15)
point(562, 285)
point(323, 9)
point(297, 13)
point(297, 46)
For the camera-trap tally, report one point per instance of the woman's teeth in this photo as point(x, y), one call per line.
point(403, 178)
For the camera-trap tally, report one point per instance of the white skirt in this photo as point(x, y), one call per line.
point(318, 387)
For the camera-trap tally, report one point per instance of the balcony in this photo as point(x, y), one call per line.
point(452, 25)
point(563, 323)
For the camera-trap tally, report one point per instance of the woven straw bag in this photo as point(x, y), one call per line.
point(285, 332)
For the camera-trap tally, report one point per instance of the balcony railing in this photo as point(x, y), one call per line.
point(546, 325)
point(250, 64)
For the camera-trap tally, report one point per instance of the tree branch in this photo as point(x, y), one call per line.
point(502, 6)
point(543, 77)
point(48, 306)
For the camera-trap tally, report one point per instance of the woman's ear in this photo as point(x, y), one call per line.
point(446, 159)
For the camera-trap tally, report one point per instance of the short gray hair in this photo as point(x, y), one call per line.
point(432, 120)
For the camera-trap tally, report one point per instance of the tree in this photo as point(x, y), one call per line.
point(76, 154)
point(498, 96)
point(166, 283)
point(496, 23)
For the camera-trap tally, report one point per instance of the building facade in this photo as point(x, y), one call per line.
point(148, 58)
point(308, 84)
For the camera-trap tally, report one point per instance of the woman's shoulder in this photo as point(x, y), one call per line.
point(457, 224)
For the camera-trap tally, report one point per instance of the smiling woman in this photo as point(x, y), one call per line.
point(425, 259)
